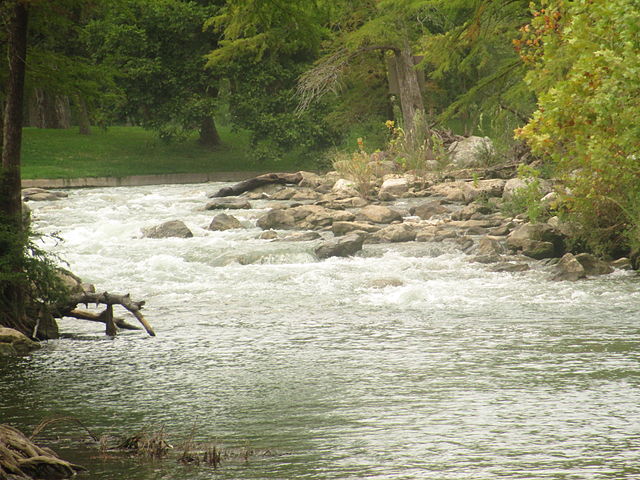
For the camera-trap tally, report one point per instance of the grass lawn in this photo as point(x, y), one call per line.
point(123, 151)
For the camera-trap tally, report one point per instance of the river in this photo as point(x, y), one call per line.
point(404, 362)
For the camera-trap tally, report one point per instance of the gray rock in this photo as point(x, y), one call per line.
point(393, 188)
point(471, 151)
point(277, 219)
point(510, 267)
point(342, 247)
point(300, 237)
point(230, 203)
point(385, 282)
point(593, 266)
point(536, 240)
point(569, 268)
point(489, 246)
point(345, 188)
point(172, 228)
point(223, 222)
point(379, 214)
point(12, 342)
point(400, 232)
point(268, 235)
point(429, 209)
point(343, 228)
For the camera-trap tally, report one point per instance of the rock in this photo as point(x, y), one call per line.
point(569, 268)
point(451, 191)
point(41, 195)
point(268, 235)
point(483, 188)
point(300, 237)
point(400, 232)
point(429, 209)
point(536, 240)
point(231, 203)
point(593, 266)
point(277, 219)
point(72, 282)
point(489, 246)
point(305, 194)
point(623, 263)
point(224, 222)
point(310, 180)
point(515, 185)
point(471, 210)
point(310, 217)
point(426, 234)
point(343, 228)
point(284, 194)
point(342, 247)
point(345, 188)
point(13, 341)
point(510, 267)
point(471, 152)
point(393, 188)
point(172, 228)
point(379, 214)
point(493, 258)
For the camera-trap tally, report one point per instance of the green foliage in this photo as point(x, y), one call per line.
point(27, 266)
point(158, 48)
point(423, 152)
point(585, 58)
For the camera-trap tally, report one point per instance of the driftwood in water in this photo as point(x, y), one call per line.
point(20, 458)
point(100, 317)
point(109, 300)
point(259, 181)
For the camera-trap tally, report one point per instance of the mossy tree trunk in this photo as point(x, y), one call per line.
point(209, 136)
point(411, 100)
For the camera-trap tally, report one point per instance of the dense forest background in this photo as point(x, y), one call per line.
point(313, 76)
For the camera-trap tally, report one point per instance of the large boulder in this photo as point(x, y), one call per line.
point(536, 240)
point(12, 342)
point(231, 203)
point(569, 268)
point(471, 152)
point(344, 188)
point(342, 247)
point(277, 218)
point(172, 228)
point(379, 214)
point(223, 222)
point(515, 185)
point(393, 188)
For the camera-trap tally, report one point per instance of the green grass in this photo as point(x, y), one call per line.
point(123, 151)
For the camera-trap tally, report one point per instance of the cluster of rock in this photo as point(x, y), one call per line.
point(404, 208)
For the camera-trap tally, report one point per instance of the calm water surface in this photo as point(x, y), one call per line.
point(450, 372)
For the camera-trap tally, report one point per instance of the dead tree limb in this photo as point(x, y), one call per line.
point(259, 181)
point(99, 317)
point(109, 299)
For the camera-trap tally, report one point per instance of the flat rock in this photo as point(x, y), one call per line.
point(379, 214)
point(343, 228)
point(429, 209)
point(13, 342)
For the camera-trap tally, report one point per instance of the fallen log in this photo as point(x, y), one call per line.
point(259, 181)
point(20, 458)
point(109, 300)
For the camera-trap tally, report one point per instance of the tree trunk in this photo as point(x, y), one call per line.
point(13, 303)
point(209, 136)
point(83, 116)
point(410, 96)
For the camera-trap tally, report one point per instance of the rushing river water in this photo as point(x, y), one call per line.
point(447, 372)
